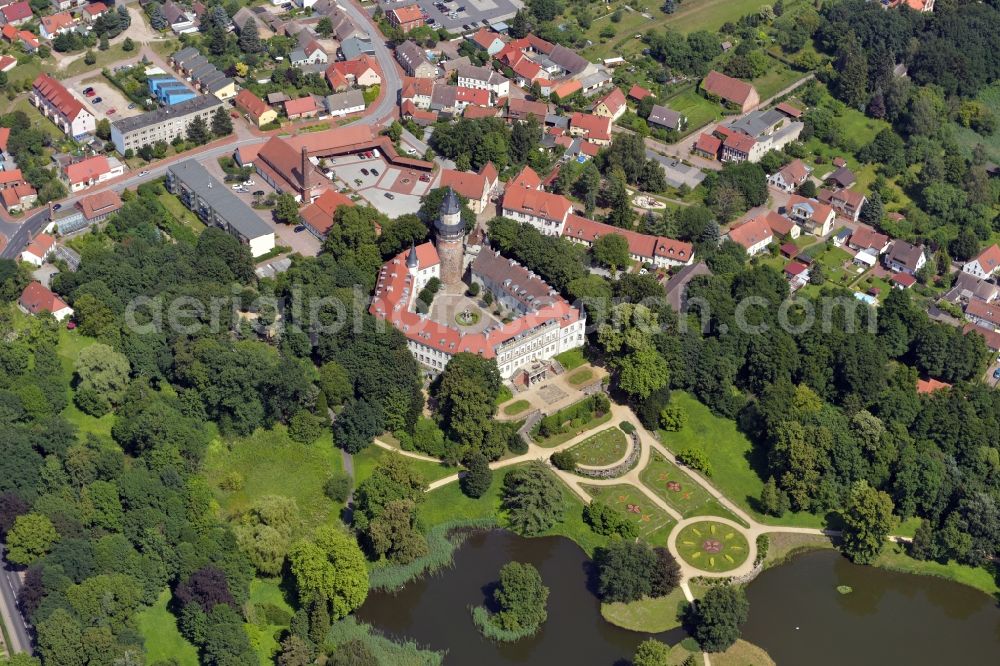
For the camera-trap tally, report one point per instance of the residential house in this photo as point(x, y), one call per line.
point(841, 178)
point(454, 99)
point(417, 91)
point(484, 78)
point(16, 13)
point(7, 63)
point(28, 41)
point(754, 235)
point(563, 89)
point(91, 171)
point(904, 257)
point(983, 314)
point(750, 137)
point(676, 286)
point(658, 251)
point(363, 71)
point(568, 61)
point(986, 264)
point(63, 5)
point(797, 274)
point(967, 287)
point(56, 24)
point(594, 80)
point(405, 18)
point(487, 40)
point(708, 146)
point(94, 11)
point(352, 47)
point(612, 105)
point(520, 109)
point(4, 140)
point(739, 94)
point(847, 203)
point(303, 107)
point(476, 187)
point(414, 61)
point(422, 117)
point(244, 14)
point(594, 129)
point(814, 217)
point(638, 93)
point(524, 201)
point(668, 119)
point(19, 197)
point(36, 299)
point(180, 20)
point(11, 178)
point(317, 217)
point(345, 103)
point(59, 105)
point(783, 227)
point(310, 54)
point(866, 238)
point(38, 249)
point(991, 337)
point(789, 177)
point(98, 206)
point(256, 109)
point(163, 124)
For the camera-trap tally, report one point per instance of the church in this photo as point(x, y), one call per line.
point(522, 322)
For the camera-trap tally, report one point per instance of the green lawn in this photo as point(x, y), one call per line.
point(556, 440)
point(698, 110)
point(571, 358)
point(270, 463)
point(581, 376)
point(778, 77)
point(693, 15)
point(516, 407)
point(677, 489)
point(113, 55)
point(731, 455)
point(649, 616)
point(712, 546)
point(894, 557)
point(267, 600)
point(370, 94)
point(365, 462)
point(158, 628)
point(601, 449)
point(632, 24)
point(652, 522)
point(37, 119)
point(180, 213)
point(447, 503)
point(71, 343)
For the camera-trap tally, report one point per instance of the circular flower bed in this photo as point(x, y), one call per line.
point(712, 546)
point(467, 318)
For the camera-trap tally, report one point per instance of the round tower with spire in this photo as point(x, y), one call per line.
point(450, 236)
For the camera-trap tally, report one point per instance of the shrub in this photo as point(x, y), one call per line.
point(232, 482)
point(477, 480)
point(695, 459)
point(627, 427)
point(338, 487)
point(516, 444)
point(607, 522)
point(673, 418)
point(564, 460)
point(305, 427)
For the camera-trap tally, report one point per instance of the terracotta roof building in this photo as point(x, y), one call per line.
point(740, 94)
point(60, 106)
point(36, 299)
point(317, 217)
point(659, 251)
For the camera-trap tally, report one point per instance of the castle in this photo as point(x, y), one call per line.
point(540, 325)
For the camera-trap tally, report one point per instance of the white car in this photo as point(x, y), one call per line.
point(237, 187)
point(375, 152)
point(410, 151)
point(143, 173)
point(249, 183)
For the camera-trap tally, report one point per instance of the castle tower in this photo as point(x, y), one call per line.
point(450, 240)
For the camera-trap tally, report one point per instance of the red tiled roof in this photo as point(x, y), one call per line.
point(9, 32)
point(779, 224)
point(594, 127)
point(28, 37)
point(56, 22)
point(100, 203)
point(989, 259)
point(41, 245)
point(417, 87)
point(567, 88)
point(751, 232)
point(17, 11)
point(638, 93)
point(408, 108)
point(614, 100)
point(474, 111)
point(794, 172)
point(485, 38)
point(726, 87)
point(795, 268)
point(983, 310)
point(476, 96)
point(7, 62)
point(250, 103)
point(527, 178)
point(992, 337)
point(850, 197)
point(523, 107)
point(12, 196)
point(36, 298)
point(407, 14)
point(96, 8)
point(13, 176)
point(740, 142)
point(789, 110)
point(319, 214)
point(707, 143)
point(4, 138)
point(820, 211)
point(641, 245)
point(296, 107)
point(88, 169)
point(57, 95)
point(355, 68)
point(925, 386)
point(903, 280)
point(527, 69)
point(867, 238)
point(469, 185)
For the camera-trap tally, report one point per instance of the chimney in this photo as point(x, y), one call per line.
point(306, 185)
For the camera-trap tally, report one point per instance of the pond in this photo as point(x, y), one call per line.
point(796, 612)
point(798, 616)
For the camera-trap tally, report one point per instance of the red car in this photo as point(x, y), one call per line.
point(111, 112)
point(425, 178)
point(90, 92)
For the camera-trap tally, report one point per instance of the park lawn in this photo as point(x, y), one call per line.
point(730, 550)
point(581, 376)
point(114, 54)
point(263, 593)
point(674, 486)
point(448, 503)
point(894, 557)
point(366, 460)
point(267, 460)
point(601, 449)
point(162, 638)
point(652, 522)
point(556, 440)
point(730, 454)
point(516, 407)
point(180, 213)
point(698, 110)
point(693, 15)
point(649, 616)
point(743, 653)
point(571, 358)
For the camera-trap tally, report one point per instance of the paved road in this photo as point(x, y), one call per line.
point(10, 585)
point(385, 109)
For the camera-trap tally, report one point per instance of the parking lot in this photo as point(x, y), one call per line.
point(110, 96)
point(404, 186)
point(676, 172)
point(473, 15)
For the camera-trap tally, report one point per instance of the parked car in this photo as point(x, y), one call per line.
point(131, 106)
point(112, 111)
point(425, 178)
point(374, 152)
point(996, 374)
point(97, 100)
point(249, 182)
point(365, 171)
point(56, 206)
point(390, 195)
point(299, 229)
point(88, 90)
point(259, 193)
point(374, 172)
point(237, 187)
point(409, 151)
point(143, 173)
